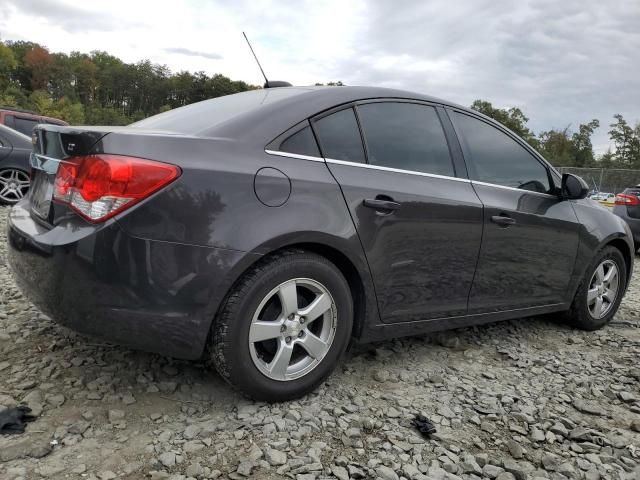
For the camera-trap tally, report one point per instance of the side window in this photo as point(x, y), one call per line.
point(339, 136)
point(302, 143)
point(494, 157)
point(407, 136)
point(24, 125)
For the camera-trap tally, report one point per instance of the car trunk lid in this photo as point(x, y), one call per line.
point(55, 145)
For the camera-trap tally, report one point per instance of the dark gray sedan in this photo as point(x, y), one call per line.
point(267, 230)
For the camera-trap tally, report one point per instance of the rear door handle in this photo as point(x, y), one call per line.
point(382, 205)
point(503, 220)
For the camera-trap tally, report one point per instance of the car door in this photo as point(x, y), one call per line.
point(5, 147)
point(530, 239)
point(418, 218)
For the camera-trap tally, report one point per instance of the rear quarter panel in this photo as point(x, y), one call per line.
point(214, 204)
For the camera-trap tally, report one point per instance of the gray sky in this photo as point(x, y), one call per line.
point(562, 61)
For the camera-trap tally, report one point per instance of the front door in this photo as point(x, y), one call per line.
point(530, 239)
point(419, 224)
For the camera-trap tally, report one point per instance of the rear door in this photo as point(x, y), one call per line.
point(5, 146)
point(530, 239)
point(417, 216)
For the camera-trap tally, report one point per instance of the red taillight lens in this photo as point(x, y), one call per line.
point(624, 199)
point(100, 186)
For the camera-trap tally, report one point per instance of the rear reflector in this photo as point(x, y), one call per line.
point(101, 186)
point(624, 199)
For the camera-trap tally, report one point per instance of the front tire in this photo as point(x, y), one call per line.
point(284, 327)
point(599, 295)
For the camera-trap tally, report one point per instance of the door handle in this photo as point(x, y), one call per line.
point(503, 220)
point(380, 204)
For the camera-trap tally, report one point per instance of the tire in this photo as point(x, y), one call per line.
point(581, 314)
point(251, 366)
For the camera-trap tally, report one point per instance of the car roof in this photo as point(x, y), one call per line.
point(275, 117)
point(263, 114)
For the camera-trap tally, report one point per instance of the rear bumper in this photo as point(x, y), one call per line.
point(149, 295)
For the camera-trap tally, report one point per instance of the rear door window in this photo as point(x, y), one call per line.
point(25, 125)
point(406, 136)
point(339, 136)
point(494, 157)
point(301, 143)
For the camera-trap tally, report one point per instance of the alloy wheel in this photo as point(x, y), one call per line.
point(14, 185)
point(292, 329)
point(603, 289)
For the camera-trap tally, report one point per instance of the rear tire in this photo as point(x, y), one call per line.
point(598, 297)
point(271, 300)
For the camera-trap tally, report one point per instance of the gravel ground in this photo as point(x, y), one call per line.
point(518, 400)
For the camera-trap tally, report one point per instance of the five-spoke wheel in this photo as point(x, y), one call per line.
point(284, 327)
point(292, 329)
point(603, 289)
point(598, 296)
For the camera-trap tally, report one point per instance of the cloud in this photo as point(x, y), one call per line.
point(69, 17)
point(561, 62)
point(193, 53)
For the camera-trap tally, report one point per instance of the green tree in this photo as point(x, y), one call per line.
point(565, 149)
point(7, 64)
point(557, 147)
point(627, 142)
point(513, 118)
point(582, 146)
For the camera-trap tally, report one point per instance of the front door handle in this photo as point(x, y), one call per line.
point(380, 204)
point(503, 220)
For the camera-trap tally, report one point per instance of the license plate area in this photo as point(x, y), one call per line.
point(43, 176)
point(41, 193)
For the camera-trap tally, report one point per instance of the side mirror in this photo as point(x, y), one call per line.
point(573, 187)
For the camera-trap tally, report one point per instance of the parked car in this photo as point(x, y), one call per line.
point(607, 198)
point(15, 149)
point(628, 208)
point(23, 120)
point(270, 228)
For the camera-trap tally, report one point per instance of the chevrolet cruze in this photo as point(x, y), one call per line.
point(267, 230)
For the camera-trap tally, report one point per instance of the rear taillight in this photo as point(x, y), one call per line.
point(101, 186)
point(624, 199)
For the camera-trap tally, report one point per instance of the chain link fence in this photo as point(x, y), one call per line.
point(610, 180)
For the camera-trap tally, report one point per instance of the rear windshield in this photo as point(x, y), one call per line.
point(197, 117)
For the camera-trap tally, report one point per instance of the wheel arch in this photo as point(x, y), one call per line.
point(620, 244)
point(351, 274)
point(355, 271)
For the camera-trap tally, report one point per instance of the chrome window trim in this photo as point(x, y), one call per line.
point(486, 184)
point(395, 170)
point(294, 155)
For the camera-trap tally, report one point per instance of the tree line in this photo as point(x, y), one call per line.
point(569, 147)
point(100, 89)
